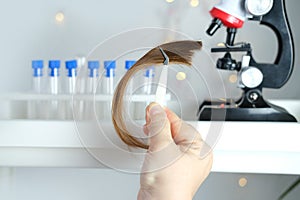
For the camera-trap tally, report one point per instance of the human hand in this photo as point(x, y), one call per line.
point(173, 168)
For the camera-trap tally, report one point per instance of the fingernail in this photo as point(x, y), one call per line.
point(145, 129)
point(155, 110)
point(147, 115)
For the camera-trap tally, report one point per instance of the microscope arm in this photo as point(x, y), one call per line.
point(277, 74)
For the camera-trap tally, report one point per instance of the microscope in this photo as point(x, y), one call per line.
point(252, 76)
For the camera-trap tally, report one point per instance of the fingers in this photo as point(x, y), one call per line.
point(157, 127)
point(182, 132)
point(175, 122)
point(167, 127)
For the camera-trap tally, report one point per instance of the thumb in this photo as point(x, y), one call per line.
point(159, 128)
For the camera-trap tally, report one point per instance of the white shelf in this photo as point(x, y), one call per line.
point(248, 147)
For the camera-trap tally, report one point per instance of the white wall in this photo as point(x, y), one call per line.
point(29, 31)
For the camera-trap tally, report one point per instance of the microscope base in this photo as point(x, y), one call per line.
point(245, 114)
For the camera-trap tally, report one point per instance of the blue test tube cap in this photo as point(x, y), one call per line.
point(149, 72)
point(129, 64)
point(93, 66)
point(37, 66)
point(108, 65)
point(71, 65)
point(54, 65)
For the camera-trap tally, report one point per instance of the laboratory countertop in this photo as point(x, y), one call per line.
point(243, 147)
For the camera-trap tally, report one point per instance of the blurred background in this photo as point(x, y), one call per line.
point(62, 29)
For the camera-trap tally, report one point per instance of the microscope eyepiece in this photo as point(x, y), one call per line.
point(214, 26)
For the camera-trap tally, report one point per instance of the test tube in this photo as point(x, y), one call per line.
point(34, 107)
point(54, 88)
point(139, 113)
point(91, 87)
point(54, 66)
point(148, 80)
point(37, 66)
point(109, 66)
point(130, 92)
point(128, 65)
point(108, 87)
point(93, 67)
point(71, 67)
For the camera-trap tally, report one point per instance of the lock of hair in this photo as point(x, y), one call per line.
point(179, 52)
